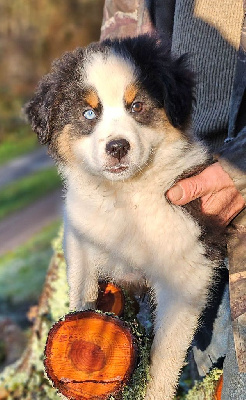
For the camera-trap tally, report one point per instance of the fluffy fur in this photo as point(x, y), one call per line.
point(115, 117)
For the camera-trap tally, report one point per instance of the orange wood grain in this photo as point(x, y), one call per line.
point(89, 355)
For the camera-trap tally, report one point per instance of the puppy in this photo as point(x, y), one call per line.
point(115, 117)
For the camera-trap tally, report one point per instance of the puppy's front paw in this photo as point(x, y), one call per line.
point(89, 305)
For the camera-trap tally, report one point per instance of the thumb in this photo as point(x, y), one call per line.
point(188, 189)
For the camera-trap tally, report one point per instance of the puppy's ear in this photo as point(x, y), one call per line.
point(178, 91)
point(49, 109)
point(39, 110)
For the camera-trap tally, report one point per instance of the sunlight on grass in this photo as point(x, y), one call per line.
point(10, 149)
point(25, 191)
point(17, 144)
point(22, 272)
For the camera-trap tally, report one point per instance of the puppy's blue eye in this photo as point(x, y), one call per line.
point(89, 114)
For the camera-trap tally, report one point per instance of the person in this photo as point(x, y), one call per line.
point(210, 32)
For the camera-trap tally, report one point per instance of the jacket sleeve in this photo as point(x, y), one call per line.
point(238, 175)
point(233, 153)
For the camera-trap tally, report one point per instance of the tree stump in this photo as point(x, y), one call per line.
point(89, 355)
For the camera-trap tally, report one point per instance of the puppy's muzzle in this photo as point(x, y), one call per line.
point(118, 148)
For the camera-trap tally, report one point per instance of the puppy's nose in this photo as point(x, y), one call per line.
point(118, 148)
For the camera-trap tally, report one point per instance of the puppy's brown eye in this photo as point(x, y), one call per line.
point(137, 107)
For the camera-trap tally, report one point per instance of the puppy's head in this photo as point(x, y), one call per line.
point(106, 108)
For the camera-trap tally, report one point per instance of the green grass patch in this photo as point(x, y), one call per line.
point(17, 195)
point(22, 272)
point(11, 149)
point(17, 143)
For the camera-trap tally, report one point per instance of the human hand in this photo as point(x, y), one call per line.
point(219, 196)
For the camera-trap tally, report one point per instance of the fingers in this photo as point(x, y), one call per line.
point(224, 205)
point(209, 181)
point(188, 190)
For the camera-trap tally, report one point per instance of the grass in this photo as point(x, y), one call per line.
point(19, 194)
point(17, 143)
point(22, 271)
point(10, 149)
point(16, 136)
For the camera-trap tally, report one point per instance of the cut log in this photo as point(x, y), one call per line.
point(89, 355)
point(218, 391)
point(110, 298)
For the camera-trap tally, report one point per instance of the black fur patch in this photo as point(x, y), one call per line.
point(203, 336)
point(213, 235)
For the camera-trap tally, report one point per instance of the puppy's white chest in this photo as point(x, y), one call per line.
point(138, 227)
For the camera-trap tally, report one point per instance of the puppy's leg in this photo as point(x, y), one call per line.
point(176, 320)
point(81, 272)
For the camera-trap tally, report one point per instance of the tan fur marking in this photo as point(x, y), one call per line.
point(64, 145)
point(130, 93)
point(173, 134)
point(162, 124)
point(92, 99)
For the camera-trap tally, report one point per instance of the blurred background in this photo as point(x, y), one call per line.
point(32, 34)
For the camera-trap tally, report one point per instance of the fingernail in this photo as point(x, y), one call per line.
point(175, 193)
